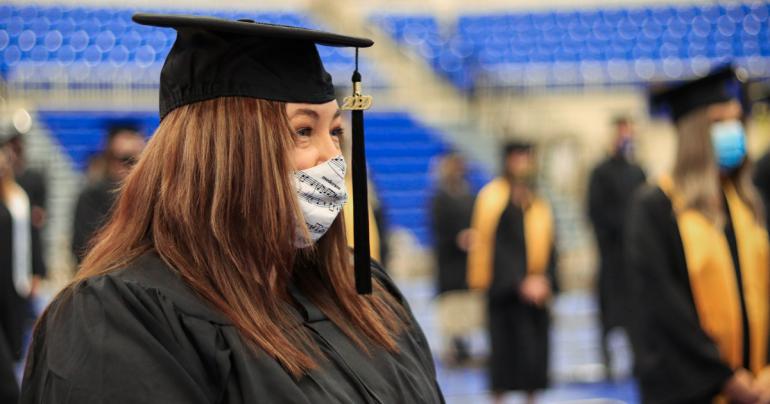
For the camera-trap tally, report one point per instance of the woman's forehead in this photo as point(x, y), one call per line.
point(330, 108)
point(725, 110)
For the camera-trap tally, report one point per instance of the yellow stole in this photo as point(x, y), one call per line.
point(538, 233)
point(374, 234)
point(712, 276)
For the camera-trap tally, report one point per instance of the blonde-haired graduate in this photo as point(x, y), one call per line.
point(697, 252)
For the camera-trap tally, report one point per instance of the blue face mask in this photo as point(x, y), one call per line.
point(729, 140)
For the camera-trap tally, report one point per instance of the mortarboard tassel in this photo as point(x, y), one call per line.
point(357, 103)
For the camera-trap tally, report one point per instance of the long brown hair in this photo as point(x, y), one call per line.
point(696, 173)
point(213, 195)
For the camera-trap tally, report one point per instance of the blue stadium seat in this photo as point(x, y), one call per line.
point(495, 42)
point(65, 36)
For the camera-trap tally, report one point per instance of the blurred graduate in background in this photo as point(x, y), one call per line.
point(451, 208)
point(611, 185)
point(697, 252)
point(124, 144)
point(21, 257)
point(513, 258)
point(31, 180)
point(21, 265)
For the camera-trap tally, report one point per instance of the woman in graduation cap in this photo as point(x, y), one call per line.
point(512, 257)
point(223, 274)
point(697, 253)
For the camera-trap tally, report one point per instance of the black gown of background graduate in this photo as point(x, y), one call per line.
point(762, 181)
point(450, 214)
point(677, 360)
point(518, 330)
point(140, 335)
point(502, 255)
point(611, 186)
point(15, 310)
point(91, 210)
point(10, 307)
point(9, 387)
point(34, 184)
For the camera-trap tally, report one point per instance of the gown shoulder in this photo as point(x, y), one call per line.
point(133, 335)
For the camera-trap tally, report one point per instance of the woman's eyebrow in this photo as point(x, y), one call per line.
point(307, 112)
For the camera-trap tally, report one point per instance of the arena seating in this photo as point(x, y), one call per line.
point(400, 152)
point(607, 45)
point(102, 47)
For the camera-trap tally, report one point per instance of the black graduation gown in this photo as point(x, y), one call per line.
point(9, 388)
point(93, 206)
point(450, 214)
point(676, 361)
point(762, 181)
point(33, 183)
point(518, 330)
point(10, 307)
point(140, 335)
point(15, 310)
point(611, 186)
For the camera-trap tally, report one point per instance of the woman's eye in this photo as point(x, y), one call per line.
point(338, 132)
point(303, 132)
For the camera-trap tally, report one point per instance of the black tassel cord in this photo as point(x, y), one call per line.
point(361, 253)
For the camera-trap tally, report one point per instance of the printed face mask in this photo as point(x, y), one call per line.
point(321, 191)
point(729, 141)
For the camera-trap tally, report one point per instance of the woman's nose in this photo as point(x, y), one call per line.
point(327, 148)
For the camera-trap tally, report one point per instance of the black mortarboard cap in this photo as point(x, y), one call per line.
point(214, 57)
point(721, 85)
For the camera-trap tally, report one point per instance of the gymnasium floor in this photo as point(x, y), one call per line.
point(575, 359)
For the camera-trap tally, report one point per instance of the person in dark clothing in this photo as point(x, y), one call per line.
point(21, 257)
point(9, 388)
point(124, 144)
point(223, 274)
point(32, 181)
point(698, 257)
point(513, 258)
point(451, 208)
point(611, 185)
point(21, 268)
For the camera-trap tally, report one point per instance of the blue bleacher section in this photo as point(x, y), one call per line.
point(447, 54)
point(102, 46)
point(81, 134)
point(400, 152)
point(661, 42)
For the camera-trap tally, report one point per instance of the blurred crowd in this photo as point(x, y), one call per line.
point(682, 259)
